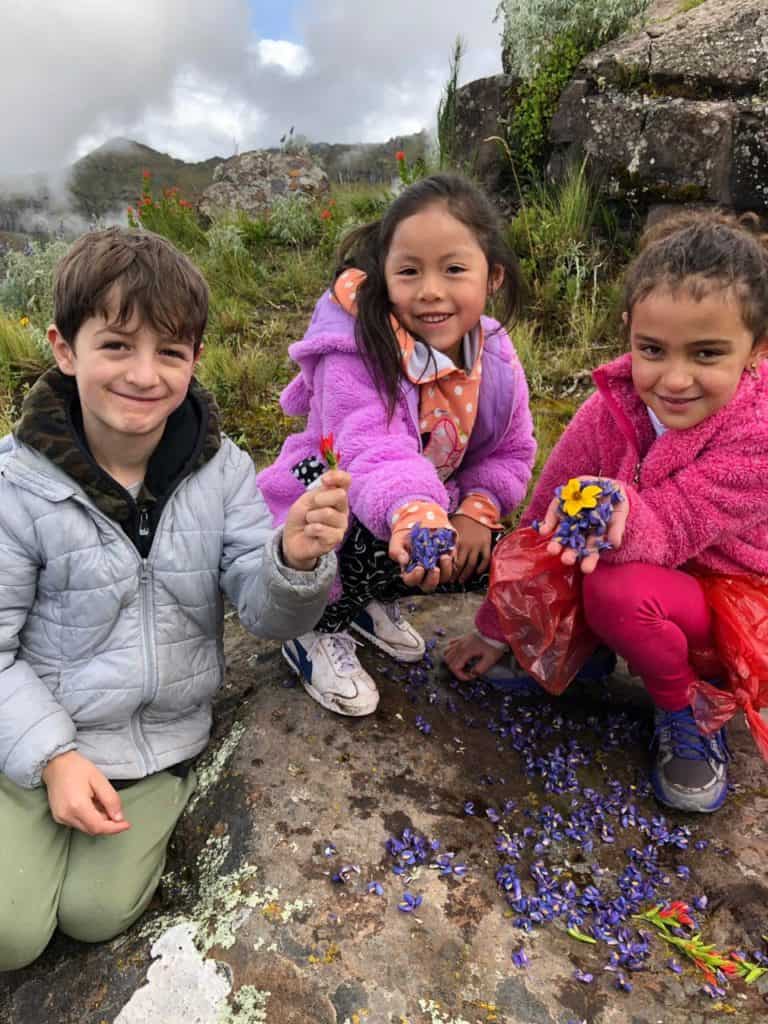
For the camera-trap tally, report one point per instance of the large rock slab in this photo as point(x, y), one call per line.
point(676, 112)
point(252, 181)
point(250, 928)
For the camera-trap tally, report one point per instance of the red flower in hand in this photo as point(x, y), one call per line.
point(326, 450)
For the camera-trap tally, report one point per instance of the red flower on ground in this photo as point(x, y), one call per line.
point(326, 214)
point(400, 155)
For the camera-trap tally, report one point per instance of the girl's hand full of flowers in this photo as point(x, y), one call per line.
point(585, 517)
point(425, 557)
point(317, 521)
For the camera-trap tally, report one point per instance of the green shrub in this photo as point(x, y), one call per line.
point(295, 220)
point(530, 27)
point(169, 215)
point(26, 279)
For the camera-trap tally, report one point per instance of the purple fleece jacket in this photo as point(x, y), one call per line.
point(335, 391)
point(695, 496)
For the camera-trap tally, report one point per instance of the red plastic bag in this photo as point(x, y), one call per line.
point(739, 606)
point(538, 600)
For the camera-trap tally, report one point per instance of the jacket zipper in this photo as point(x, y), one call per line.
point(150, 656)
point(151, 683)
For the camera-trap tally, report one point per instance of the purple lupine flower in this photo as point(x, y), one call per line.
point(581, 524)
point(519, 958)
point(375, 887)
point(409, 903)
point(428, 546)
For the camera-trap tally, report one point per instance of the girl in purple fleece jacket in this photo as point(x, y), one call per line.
point(427, 404)
point(680, 424)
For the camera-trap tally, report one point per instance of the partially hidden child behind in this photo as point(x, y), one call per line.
point(427, 403)
point(680, 425)
point(124, 513)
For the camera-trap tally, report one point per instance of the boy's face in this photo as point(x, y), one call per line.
point(129, 379)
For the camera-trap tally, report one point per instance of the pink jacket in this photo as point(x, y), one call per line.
point(695, 496)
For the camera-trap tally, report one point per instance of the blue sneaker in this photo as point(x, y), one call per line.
point(507, 676)
point(689, 770)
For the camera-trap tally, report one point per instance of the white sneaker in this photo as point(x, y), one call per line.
point(331, 672)
point(383, 626)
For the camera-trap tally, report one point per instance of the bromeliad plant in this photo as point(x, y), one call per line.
point(672, 920)
point(327, 452)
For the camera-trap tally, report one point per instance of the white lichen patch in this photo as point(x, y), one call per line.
point(181, 985)
point(223, 902)
point(212, 766)
point(437, 1015)
point(249, 1007)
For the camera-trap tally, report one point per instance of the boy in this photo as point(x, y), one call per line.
point(123, 513)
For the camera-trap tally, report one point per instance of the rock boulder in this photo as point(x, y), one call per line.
point(252, 181)
point(678, 112)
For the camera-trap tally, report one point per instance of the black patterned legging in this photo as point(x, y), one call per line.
point(369, 574)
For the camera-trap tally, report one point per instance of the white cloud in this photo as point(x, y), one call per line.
point(187, 77)
point(289, 56)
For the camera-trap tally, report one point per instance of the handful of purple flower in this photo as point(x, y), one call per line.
point(585, 508)
point(428, 546)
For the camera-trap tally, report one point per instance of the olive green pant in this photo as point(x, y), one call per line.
point(91, 887)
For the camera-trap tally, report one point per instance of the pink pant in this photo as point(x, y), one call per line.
point(652, 617)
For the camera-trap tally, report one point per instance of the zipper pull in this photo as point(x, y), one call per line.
point(143, 522)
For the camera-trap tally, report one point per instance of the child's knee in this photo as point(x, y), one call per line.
point(98, 920)
point(22, 941)
point(607, 591)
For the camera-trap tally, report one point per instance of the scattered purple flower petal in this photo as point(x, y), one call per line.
point(409, 903)
point(519, 958)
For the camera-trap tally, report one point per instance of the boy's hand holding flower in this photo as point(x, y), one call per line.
point(473, 547)
point(595, 510)
point(317, 521)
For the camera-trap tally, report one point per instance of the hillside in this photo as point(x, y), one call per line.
point(107, 180)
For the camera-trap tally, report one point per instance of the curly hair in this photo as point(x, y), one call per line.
point(704, 251)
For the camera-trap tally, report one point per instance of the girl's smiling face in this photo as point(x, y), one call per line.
point(438, 278)
point(688, 354)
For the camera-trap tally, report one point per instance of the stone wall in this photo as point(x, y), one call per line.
point(676, 112)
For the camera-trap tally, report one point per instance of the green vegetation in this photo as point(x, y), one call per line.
point(446, 109)
point(265, 276)
point(543, 42)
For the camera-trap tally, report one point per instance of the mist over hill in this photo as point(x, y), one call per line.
point(100, 185)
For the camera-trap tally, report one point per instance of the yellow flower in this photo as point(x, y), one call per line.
point(575, 497)
point(24, 321)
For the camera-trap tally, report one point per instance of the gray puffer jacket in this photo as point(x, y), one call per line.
point(118, 655)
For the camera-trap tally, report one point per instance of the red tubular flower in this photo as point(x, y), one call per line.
point(326, 214)
point(400, 155)
point(326, 450)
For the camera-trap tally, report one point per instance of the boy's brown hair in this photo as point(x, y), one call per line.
point(116, 272)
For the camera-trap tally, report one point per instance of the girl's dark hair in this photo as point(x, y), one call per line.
point(701, 251)
point(367, 247)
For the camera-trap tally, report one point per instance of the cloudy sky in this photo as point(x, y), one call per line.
point(197, 78)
